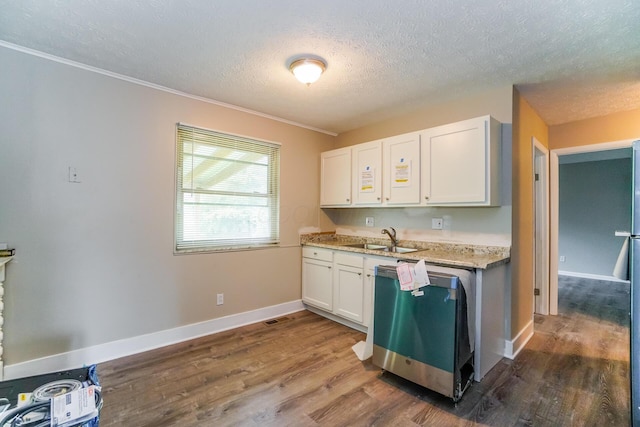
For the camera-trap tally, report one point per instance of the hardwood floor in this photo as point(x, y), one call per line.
point(301, 371)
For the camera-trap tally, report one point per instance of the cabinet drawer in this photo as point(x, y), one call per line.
point(350, 260)
point(317, 253)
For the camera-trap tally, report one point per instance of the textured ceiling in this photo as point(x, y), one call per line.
point(571, 59)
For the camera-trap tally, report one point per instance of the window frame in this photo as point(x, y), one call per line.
point(269, 148)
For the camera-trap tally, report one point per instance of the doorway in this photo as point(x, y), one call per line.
point(554, 193)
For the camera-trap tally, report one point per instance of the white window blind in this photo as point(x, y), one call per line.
point(228, 194)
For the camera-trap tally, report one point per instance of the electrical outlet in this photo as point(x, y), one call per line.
point(220, 299)
point(368, 221)
point(73, 175)
point(563, 258)
point(436, 223)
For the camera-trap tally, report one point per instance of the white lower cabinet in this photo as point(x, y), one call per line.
point(340, 283)
point(348, 286)
point(317, 277)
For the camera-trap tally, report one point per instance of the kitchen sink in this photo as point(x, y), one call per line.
point(399, 249)
point(370, 246)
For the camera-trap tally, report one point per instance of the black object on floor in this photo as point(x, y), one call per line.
point(36, 412)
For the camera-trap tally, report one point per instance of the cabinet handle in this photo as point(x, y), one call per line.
point(330, 267)
point(426, 197)
point(368, 275)
point(387, 199)
point(315, 254)
point(359, 274)
point(378, 198)
point(347, 200)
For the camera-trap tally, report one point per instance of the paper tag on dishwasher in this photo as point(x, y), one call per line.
point(421, 278)
point(405, 277)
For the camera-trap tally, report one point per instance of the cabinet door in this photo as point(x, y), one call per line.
point(335, 177)
point(456, 167)
point(349, 293)
point(401, 157)
point(369, 286)
point(317, 283)
point(367, 173)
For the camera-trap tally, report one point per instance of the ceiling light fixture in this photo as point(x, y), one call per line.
point(308, 70)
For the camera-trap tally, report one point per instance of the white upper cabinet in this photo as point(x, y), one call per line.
point(366, 173)
point(335, 177)
point(452, 165)
point(461, 163)
point(401, 157)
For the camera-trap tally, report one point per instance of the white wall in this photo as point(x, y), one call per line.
point(94, 260)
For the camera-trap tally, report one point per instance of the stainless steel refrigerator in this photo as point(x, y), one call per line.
point(634, 264)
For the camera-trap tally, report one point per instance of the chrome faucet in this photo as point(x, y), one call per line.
point(392, 235)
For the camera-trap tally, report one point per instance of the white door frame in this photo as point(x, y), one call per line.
point(554, 193)
point(540, 155)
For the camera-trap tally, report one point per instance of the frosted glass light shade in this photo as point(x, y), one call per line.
point(307, 71)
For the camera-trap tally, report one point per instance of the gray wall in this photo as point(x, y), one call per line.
point(94, 260)
point(595, 201)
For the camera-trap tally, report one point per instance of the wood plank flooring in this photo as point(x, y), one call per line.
point(301, 371)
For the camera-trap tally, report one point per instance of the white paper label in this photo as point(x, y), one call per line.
point(24, 399)
point(402, 173)
point(405, 277)
point(367, 180)
point(421, 277)
point(73, 405)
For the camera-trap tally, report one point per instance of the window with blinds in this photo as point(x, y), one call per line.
point(227, 191)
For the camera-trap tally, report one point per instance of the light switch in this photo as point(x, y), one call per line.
point(436, 223)
point(368, 221)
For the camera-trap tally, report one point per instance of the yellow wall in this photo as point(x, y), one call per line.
point(614, 127)
point(526, 124)
point(495, 102)
point(467, 224)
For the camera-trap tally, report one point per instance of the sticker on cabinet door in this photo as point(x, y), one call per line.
point(367, 180)
point(402, 173)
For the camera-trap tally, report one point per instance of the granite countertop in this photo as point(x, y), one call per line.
point(447, 254)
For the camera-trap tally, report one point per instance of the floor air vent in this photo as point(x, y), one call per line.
point(274, 321)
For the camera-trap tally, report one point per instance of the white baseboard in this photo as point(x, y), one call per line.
point(125, 347)
point(591, 276)
point(337, 319)
point(513, 347)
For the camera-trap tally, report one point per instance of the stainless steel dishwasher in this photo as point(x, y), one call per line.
point(424, 338)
